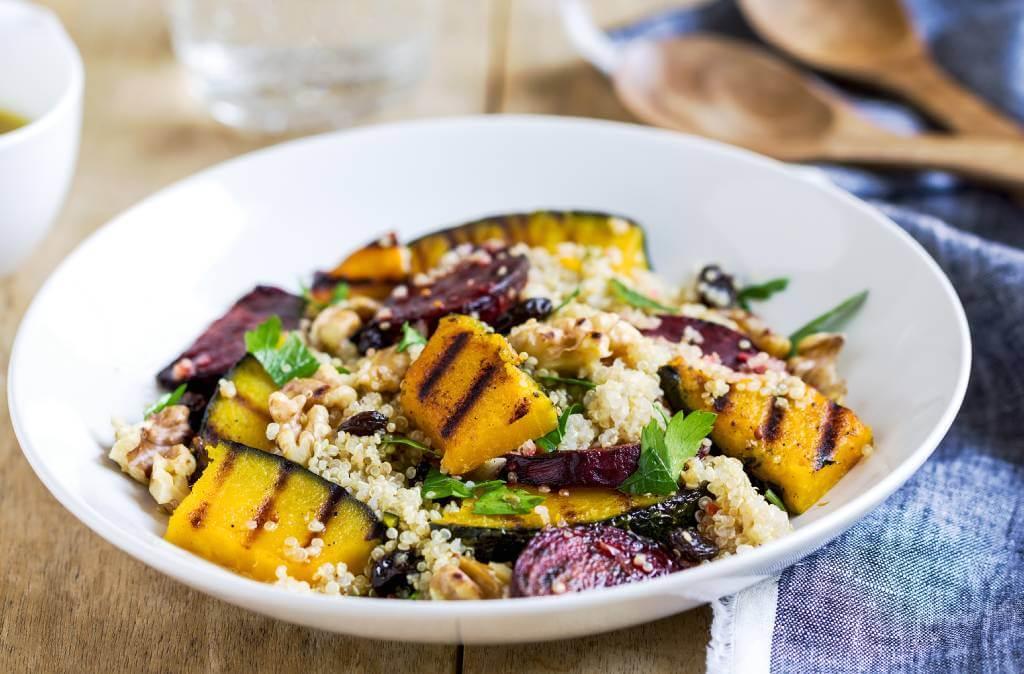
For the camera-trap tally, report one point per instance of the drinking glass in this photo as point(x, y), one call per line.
point(287, 65)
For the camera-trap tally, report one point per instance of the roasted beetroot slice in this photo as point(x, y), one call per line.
point(486, 287)
point(715, 338)
point(606, 467)
point(573, 559)
point(223, 343)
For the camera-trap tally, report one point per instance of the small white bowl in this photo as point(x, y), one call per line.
point(133, 295)
point(42, 81)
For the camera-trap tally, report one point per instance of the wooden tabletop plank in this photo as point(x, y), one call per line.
point(69, 601)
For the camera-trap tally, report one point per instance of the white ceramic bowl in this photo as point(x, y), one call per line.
point(41, 79)
point(142, 287)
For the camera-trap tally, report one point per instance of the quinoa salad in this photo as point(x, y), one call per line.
point(517, 406)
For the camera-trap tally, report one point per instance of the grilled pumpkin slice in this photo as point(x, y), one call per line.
point(803, 451)
point(223, 519)
point(543, 228)
point(500, 538)
point(467, 393)
point(372, 271)
point(242, 418)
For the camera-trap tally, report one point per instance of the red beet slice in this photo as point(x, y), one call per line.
point(223, 343)
point(715, 338)
point(573, 559)
point(596, 467)
point(485, 287)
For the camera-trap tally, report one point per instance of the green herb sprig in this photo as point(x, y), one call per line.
point(410, 336)
point(830, 321)
point(388, 439)
point(760, 291)
point(550, 442)
point(499, 499)
point(493, 497)
point(635, 299)
point(568, 298)
point(568, 381)
point(165, 401)
point(285, 362)
point(663, 453)
point(340, 293)
point(774, 499)
point(437, 485)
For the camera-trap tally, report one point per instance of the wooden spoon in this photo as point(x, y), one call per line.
point(873, 41)
point(740, 94)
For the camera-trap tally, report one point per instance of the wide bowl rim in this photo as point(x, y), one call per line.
point(213, 580)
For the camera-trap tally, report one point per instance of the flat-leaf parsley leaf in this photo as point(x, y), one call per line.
point(410, 336)
point(285, 362)
point(684, 435)
point(499, 499)
point(437, 485)
point(664, 452)
point(550, 442)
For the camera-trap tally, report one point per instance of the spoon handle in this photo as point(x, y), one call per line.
point(983, 158)
point(925, 84)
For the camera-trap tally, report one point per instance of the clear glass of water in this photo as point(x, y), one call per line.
point(297, 65)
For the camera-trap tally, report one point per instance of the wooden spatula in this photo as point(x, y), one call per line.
point(741, 94)
point(874, 41)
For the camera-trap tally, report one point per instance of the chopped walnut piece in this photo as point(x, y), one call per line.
point(562, 345)
point(486, 577)
point(815, 363)
point(384, 370)
point(169, 479)
point(760, 334)
point(333, 327)
point(137, 446)
point(470, 579)
point(452, 583)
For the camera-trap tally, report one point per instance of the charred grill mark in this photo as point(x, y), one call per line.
point(227, 465)
point(224, 469)
point(771, 428)
point(327, 510)
point(444, 362)
point(267, 506)
point(463, 407)
point(522, 407)
point(195, 518)
point(830, 427)
point(722, 402)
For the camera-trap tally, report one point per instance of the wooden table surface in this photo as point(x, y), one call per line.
point(69, 601)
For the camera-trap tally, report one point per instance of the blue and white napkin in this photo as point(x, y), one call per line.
point(933, 580)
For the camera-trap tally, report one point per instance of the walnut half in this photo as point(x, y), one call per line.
point(469, 579)
point(155, 453)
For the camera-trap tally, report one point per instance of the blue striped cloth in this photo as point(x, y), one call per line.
point(933, 580)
